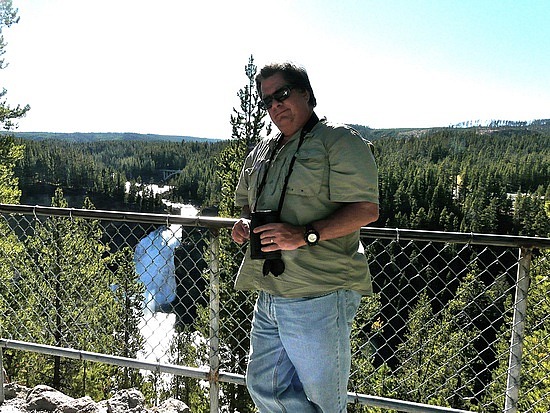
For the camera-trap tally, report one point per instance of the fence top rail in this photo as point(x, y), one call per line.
point(138, 217)
point(457, 237)
point(216, 223)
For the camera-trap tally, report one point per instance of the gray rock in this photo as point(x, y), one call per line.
point(172, 406)
point(13, 390)
point(124, 401)
point(46, 398)
point(82, 405)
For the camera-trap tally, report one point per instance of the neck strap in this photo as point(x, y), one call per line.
point(312, 121)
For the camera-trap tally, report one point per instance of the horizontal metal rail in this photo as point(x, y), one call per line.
point(216, 222)
point(456, 237)
point(401, 405)
point(201, 374)
point(193, 372)
point(138, 217)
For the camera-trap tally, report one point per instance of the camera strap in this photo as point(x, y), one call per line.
point(305, 130)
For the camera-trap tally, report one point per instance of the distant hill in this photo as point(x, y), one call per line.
point(540, 125)
point(109, 136)
point(483, 127)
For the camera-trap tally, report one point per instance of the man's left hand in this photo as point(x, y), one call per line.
point(280, 236)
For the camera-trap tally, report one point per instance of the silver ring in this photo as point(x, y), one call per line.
point(272, 240)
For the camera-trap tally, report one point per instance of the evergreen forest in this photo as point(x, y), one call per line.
point(101, 170)
point(470, 180)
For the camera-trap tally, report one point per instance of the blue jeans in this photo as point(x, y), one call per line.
point(300, 353)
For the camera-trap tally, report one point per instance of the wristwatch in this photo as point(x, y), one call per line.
point(311, 236)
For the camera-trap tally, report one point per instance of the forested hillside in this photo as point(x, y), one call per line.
point(466, 180)
point(112, 136)
point(100, 170)
point(493, 180)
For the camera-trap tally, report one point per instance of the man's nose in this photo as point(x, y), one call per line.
point(276, 103)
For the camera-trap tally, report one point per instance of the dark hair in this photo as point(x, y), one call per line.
point(294, 75)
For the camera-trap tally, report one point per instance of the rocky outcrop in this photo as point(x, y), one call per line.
point(42, 399)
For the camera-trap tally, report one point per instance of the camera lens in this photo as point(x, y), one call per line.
point(274, 266)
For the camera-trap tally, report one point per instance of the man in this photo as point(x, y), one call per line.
point(322, 181)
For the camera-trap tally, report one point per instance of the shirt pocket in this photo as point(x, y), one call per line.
point(254, 175)
point(308, 173)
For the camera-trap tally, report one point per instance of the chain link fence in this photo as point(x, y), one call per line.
point(458, 322)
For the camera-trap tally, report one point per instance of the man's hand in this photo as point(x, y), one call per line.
point(280, 236)
point(241, 231)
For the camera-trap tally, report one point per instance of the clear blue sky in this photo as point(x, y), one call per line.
point(175, 67)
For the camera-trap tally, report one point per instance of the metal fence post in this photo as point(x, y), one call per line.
point(2, 378)
point(214, 358)
point(518, 326)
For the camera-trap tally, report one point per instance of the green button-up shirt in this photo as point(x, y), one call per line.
point(335, 165)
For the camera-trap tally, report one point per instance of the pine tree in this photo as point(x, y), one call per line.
point(185, 352)
point(10, 246)
point(8, 16)
point(248, 125)
point(10, 152)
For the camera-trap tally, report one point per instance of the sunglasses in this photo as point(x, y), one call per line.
point(280, 95)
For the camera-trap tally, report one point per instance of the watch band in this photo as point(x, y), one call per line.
point(311, 236)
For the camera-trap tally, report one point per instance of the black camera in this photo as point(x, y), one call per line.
point(257, 219)
point(273, 263)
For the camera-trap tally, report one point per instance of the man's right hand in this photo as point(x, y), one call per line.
point(241, 231)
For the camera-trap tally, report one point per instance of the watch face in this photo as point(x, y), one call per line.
point(312, 237)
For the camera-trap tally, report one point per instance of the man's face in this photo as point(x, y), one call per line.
point(291, 114)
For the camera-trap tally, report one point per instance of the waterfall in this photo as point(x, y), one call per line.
point(154, 261)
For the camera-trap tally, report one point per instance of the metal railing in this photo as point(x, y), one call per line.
point(446, 330)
